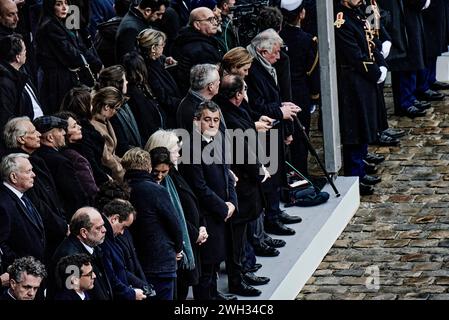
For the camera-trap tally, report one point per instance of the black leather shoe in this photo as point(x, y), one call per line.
point(430, 95)
point(394, 133)
point(245, 290)
point(411, 112)
point(375, 158)
point(225, 296)
point(256, 267)
point(365, 190)
point(285, 218)
point(385, 140)
point(438, 85)
point(266, 251)
point(275, 243)
point(278, 228)
point(370, 168)
point(370, 180)
point(422, 105)
point(251, 279)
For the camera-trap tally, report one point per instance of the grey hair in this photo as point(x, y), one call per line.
point(266, 40)
point(201, 75)
point(9, 165)
point(162, 138)
point(30, 265)
point(14, 129)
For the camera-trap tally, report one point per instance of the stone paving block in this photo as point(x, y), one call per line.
point(423, 243)
point(419, 282)
point(415, 296)
point(442, 234)
point(427, 266)
point(423, 219)
point(318, 296)
point(396, 243)
point(415, 257)
point(385, 296)
point(412, 234)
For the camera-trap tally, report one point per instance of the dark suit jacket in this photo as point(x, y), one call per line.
point(69, 295)
point(45, 198)
point(186, 110)
point(102, 289)
point(249, 187)
point(19, 235)
point(156, 231)
point(114, 257)
point(68, 186)
point(213, 186)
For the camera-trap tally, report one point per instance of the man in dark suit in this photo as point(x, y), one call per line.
point(26, 275)
point(76, 276)
point(138, 18)
point(87, 231)
point(21, 229)
point(157, 231)
point(196, 45)
point(118, 215)
point(265, 98)
point(213, 184)
point(204, 84)
point(22, 137)
point(70, 189)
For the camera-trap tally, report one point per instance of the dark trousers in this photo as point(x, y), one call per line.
point(353, 155)
point(164, 287)
point(236, 243)
point(273, 199)
point(207, 286)
point(404, 87)
point(426, 77)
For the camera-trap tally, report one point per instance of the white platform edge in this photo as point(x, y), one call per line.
point(309, 261)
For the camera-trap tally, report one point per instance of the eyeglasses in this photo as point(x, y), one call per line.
point(212, 20)
point(90, 274)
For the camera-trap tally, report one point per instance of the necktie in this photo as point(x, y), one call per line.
point(32, 212)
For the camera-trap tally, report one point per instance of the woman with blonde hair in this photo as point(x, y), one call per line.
point(179, 188)
point(151, 45)
point(105, 104)
point(236, 61)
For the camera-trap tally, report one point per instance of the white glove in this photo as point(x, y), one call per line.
point(386, 47)
point(426, 5)
point(383, 76)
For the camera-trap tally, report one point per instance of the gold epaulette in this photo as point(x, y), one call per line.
point(339, 21)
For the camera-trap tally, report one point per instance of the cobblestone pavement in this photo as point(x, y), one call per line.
point(401, 232)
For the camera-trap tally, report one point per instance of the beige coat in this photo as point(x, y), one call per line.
point(109, 159)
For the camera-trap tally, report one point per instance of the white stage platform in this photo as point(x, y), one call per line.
point(315, 235)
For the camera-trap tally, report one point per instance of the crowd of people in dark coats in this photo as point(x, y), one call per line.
point(102, 197)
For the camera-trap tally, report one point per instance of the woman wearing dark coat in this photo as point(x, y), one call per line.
point(82, 167)
point(190, 205)
point(124, 122)
point(60, 54)
point(149, 116)
point(165, 89)
point(78, 101)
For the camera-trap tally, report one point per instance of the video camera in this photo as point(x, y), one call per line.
point(245, 18)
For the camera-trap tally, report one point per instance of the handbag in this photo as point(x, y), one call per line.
point(84, 75)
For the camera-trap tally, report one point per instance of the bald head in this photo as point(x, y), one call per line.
point(88, 226)
point(203, 20)
point(8, 14)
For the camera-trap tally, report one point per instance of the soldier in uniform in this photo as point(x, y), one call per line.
point(360, 69)
point(302, 49)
